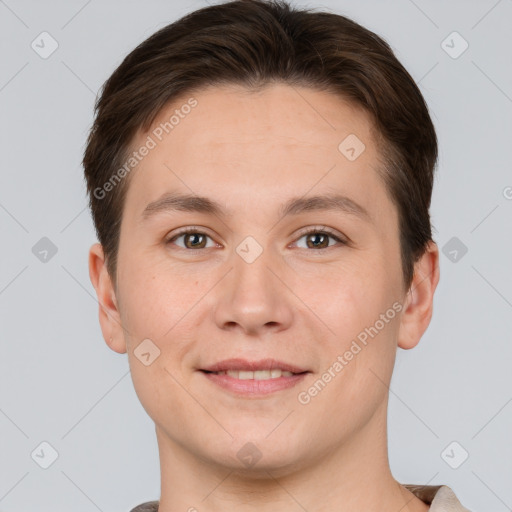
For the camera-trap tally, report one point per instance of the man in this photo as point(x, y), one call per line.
point(260, 181)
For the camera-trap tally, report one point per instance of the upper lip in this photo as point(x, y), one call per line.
point(253, 366)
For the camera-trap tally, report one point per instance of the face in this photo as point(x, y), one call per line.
point(267, 278)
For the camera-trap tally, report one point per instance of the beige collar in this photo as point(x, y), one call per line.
point(440, 497)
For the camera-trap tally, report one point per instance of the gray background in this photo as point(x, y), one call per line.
point(61, 384)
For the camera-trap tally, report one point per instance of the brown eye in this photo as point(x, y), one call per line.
point(319, 239)
point(196, 240)
point(192, 239)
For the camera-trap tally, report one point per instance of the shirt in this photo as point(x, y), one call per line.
point(440, 498)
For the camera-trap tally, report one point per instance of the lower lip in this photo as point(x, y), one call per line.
point(253, 387)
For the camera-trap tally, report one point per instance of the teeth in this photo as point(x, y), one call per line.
point(257, 375)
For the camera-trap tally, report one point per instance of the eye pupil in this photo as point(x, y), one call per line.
point(316, 235)
point(195, 235)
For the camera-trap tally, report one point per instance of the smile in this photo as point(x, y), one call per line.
point(257, 375)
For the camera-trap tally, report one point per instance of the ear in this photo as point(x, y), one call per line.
point(110, 319)
point(418, 304)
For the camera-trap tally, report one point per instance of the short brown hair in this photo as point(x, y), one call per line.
point(254, 43)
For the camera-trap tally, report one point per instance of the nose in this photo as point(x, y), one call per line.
point(255, 297)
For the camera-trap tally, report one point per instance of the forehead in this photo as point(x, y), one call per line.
point(235, 143)
point(291, 115)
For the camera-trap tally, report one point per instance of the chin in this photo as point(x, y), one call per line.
point(261, 464)
point(256, 452)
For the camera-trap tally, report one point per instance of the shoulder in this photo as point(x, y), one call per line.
point(149, 506)
point(440, 497)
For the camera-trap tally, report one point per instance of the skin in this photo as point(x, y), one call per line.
point(297, 303)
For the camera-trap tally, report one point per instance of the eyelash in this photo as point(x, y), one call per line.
point(316, 230)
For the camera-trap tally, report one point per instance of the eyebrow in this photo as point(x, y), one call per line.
point(175, 201)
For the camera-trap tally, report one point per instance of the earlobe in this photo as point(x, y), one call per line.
point(418, 304)
point(109, 316)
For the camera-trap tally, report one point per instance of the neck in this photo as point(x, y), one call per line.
point(352, 476)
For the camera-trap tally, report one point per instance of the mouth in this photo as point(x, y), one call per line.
point(254, 378)
point(257, 375)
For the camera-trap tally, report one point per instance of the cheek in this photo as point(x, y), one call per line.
point(357, 369)
point(363, 311)
point(154, 299)
point(353, 297)
point(160, 314)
